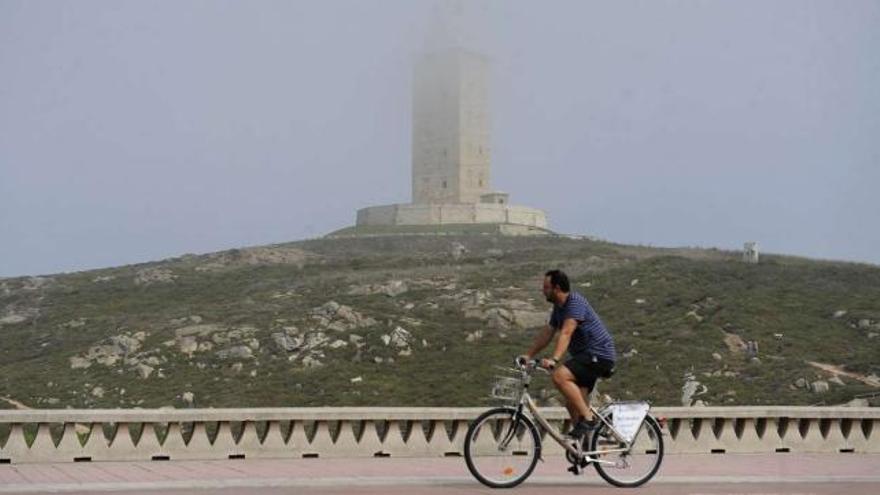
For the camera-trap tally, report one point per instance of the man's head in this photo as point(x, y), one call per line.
point(556, 286)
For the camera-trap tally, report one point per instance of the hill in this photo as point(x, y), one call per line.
point(422, 320)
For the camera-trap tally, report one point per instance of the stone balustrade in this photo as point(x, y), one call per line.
point(160, 434)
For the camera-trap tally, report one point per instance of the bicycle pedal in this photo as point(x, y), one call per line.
point(574, 470)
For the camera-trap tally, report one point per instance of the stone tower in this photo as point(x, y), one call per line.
point(451, 141)
point(450, 133)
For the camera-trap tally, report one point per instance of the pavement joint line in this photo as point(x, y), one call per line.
point(408, 481)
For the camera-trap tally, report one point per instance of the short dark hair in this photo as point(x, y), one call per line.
point(559, 279)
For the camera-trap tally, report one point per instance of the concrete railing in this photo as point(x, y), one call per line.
point(104, 435)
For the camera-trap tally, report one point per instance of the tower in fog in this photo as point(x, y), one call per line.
point(451, 141)
point(450, 128)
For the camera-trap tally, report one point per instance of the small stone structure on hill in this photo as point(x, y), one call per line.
point(750, 252)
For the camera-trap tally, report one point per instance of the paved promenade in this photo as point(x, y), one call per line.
point(691, 474)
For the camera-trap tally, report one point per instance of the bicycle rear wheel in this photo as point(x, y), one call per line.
point(635, 466)
point(502, 448)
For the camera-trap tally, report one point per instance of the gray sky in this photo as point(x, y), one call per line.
point(133, 131)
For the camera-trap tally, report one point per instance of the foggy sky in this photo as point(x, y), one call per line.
point(134, 131)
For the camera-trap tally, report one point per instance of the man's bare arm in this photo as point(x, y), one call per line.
point(541, 340)
point(568, 327)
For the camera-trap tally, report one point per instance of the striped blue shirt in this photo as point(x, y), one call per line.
point(590, 338)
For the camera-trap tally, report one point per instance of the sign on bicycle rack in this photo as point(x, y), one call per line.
point(627, 417)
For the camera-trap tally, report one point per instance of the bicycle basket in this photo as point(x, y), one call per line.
point(506, 388)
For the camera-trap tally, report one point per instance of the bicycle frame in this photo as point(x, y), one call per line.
point(567, 444)
point(526, 402)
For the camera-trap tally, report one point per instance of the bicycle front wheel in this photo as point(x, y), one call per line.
point(632, 467)
point(502, 447)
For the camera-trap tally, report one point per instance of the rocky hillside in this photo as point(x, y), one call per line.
point(422, 320)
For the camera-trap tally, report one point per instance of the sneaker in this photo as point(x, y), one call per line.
point(582, 427)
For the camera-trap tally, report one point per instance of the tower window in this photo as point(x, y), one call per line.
point(444, 184)
point(481, 182)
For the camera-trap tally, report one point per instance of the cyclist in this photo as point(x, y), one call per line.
point(588, 342)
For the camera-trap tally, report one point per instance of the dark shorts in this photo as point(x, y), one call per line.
point(586, 372)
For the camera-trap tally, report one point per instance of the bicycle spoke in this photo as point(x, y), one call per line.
point(637, 464)
point(501, 451)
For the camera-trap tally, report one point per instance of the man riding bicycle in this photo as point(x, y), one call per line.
point(588, 342)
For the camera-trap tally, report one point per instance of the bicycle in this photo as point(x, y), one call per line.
point(503, 445)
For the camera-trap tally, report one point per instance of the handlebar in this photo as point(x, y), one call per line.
point(528, 365)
